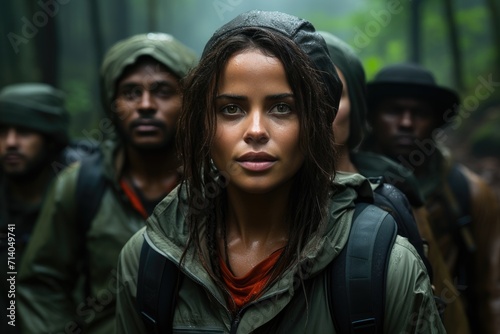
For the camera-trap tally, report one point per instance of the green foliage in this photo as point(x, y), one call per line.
point(372, 64)
point(80, 105)
point(78, 98)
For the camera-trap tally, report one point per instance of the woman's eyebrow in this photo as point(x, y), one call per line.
point(243, 98)
point(280, 96)
point(231, 97)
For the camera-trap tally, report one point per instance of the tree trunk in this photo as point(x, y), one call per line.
point(415, 40)
point(95, 25)
point(47, 52)
point(121, 21)
point(152, 17)
point(494, 10)
point(11, 46)
point(456, 56)
point(46, 43)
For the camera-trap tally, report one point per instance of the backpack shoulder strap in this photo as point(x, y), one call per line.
point(90, 187)
point(357, 277)
point(461, 190)
point(465, 273)
point(157, 283)
point(395, 202)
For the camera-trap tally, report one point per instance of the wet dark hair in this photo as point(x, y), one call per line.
point(306, 212)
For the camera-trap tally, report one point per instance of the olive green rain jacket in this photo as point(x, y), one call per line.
point(283, 308)
point(50, 287)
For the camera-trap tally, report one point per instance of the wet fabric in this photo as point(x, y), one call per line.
point(163, 47)
point(36, 106)
point(300, 31)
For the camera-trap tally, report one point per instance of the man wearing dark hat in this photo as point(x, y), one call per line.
point(68, 281)
point(407, 112)
point(33, 132)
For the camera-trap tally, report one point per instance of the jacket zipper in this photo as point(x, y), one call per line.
point(235, 322)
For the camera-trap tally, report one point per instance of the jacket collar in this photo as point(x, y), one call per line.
point(167, 234)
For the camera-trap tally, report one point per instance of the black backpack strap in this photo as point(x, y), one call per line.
point(467, 245)
point(156, 290)
point(357, 277)
point(460, 188)
point(90, 187)
point(461, 191)
point(393, 200)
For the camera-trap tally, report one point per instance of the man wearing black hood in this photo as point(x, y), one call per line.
point(67, 282)
point(408, 111)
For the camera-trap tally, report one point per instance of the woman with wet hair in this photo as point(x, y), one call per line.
point(257, 220)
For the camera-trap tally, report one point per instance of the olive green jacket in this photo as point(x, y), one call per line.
point(51, 294)
point(286, 307)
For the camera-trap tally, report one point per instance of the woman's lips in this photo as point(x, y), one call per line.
point(256, 166)
point(256, 161)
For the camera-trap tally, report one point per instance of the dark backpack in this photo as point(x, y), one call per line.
point(356, 277)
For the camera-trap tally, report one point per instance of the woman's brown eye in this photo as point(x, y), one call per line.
point(281, 108)
point(231, 109)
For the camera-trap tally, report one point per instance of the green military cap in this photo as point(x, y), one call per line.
point(35, 106)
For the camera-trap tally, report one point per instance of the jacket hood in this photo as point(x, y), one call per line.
point(167, 232)
point(298, 30)
point(164, 48)
point(346, 60)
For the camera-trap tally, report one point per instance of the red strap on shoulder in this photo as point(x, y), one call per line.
point(134, 199)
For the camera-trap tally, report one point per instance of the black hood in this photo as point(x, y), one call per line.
point(346, 60)
point(299, 30)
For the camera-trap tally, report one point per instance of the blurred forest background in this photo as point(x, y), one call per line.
point(62, 42)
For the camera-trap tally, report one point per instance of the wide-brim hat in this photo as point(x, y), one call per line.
point(411, 80)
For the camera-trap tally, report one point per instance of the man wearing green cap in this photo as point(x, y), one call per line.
point(33, 133)
point(68, 281)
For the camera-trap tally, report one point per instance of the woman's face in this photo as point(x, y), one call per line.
point(257, 134)
point(341, 124)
